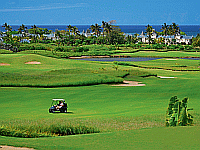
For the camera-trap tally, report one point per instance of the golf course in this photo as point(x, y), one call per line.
point(108, 113)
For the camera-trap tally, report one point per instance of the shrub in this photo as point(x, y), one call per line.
point(177, 113)
point(181, 48)
point(59, 49)
point(32, 131)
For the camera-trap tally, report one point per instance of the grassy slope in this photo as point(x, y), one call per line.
point(173, 64)
point(157, 138)
point(96, 106)
point(69, 71)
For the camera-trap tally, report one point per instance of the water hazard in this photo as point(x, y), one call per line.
point(120, 59)
point(129, 59)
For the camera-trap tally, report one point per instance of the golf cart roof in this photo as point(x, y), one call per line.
point(58, 99)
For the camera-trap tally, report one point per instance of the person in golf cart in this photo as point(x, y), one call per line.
point(59, 105)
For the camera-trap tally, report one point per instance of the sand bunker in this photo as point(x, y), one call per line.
point(14, 148)
point(162, 77)
point(130, 83)
point(4, 64)
point(33, 62)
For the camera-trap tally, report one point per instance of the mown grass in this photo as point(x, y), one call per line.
point(52, 73)
point(167, 64)
point(119, 110)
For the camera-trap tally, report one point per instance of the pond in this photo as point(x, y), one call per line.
point(129, 59)
point(120, 59)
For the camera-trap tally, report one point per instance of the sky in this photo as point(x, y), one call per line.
point(77, 12)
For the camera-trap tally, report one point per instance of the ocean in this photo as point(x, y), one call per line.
point(190, 30)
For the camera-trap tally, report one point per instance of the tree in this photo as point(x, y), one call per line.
point(175, 28)
point(103, 26)
point(170, 30)
point(149, 30)
point(196, 41)
point(165, 28)
point(34, 27)
point(108, 29)
point(96, 29)
point(7, 27)
point(75, 31)
point(33, 30)
point(69, 28)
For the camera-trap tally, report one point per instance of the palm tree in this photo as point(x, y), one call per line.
point(69, 28)
point(7, 27)
point(108, 29)
point(170, 30)
point(175, 28)
point(103, 26)
point(75, 31)
point(165, 28)
point(20, 30)
point(34, 28)
point(149, 30)
point(97, 29)
point(92, 28)
point(57, 34)
point(23, 27)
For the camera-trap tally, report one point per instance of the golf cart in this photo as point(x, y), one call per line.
point(58, 105)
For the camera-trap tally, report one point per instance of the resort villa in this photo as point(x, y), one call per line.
point(169, 39)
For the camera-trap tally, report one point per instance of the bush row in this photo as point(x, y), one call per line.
point(23, 48)
point(41, 131)
point(68, 49)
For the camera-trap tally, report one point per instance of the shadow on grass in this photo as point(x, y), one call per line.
point(61, 113)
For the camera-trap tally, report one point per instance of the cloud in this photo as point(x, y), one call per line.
point(48, 7)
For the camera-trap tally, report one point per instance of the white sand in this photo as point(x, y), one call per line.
point(4, 64)
point(162, 77)
point(33, 62)
point(130, 83)
point(14, 148)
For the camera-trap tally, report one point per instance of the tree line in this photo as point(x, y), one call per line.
point(106, 33)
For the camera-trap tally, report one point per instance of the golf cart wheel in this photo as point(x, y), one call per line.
point(65, 111)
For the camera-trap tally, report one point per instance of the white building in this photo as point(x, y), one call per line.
point(174, 39)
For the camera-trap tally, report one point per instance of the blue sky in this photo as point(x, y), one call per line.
point(76, 12)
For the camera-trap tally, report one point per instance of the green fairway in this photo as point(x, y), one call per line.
point(127, 117)
point(167, 64)
point(53, 72)
point(157, 138)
